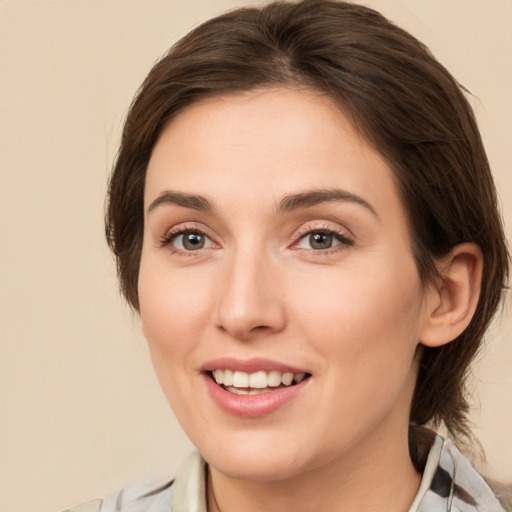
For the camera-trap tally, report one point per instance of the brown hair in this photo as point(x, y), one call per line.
point(399, 98)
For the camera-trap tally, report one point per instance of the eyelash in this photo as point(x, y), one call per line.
point(170, 236)
point(339, 235)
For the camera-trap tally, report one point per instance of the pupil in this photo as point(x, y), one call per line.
point(320, 241)
point(193, 241)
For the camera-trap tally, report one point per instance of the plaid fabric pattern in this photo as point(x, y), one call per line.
point(449, 484)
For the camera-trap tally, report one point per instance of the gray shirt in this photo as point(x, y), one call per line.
point(449, 484)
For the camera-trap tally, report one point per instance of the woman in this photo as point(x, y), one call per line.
point(303, 214)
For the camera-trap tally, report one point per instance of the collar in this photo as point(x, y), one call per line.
point(449, 484)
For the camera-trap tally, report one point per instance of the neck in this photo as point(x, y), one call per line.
point(371, 476)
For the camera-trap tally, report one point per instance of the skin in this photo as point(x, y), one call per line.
point(352, 315)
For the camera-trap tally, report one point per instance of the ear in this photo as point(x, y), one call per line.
point(451, 303)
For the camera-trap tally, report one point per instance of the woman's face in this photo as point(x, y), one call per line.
point(276, 249)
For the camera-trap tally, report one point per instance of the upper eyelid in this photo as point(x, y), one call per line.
point(344, 237)
point(179, 229)
point(306, 227)
point(182, 227)
point(335, 234)
point(323, 225)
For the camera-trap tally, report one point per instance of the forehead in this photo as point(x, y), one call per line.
point(265, 144)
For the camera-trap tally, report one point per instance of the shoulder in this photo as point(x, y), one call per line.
point(186, 493)
point(450, 482)
point(467, 485)
point(140, 496)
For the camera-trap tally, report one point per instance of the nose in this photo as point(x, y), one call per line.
point(249, 301)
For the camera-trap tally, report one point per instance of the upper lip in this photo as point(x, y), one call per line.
point(250, 365)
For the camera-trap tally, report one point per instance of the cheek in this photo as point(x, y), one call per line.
point(368, 319)
point(365, 328)
point(174, 310)
point(174, 307)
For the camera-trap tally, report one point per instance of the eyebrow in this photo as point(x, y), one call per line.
point(289, 202)
point(313, 197)
point(193, 201)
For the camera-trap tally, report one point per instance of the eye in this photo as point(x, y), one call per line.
point(322, 240)
point(188, 240)
point(191, 241)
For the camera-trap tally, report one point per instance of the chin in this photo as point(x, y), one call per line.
point(258, 459)
point(255, 467)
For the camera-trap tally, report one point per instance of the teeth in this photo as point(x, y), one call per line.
point(227, 378)
point(287, 378)
point(243, 383)
point(274, 379)
point(218, 376)
point(299, 377)
point(238, 391)
point(258, 380)
point(240, 380)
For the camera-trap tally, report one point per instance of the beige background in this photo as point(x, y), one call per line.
point(80, 410)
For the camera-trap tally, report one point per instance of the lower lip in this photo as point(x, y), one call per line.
point(253, 406)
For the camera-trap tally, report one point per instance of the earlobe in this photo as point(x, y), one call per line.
point(451, 304)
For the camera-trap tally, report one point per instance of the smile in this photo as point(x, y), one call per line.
point(256, 387)
point(243, 383)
